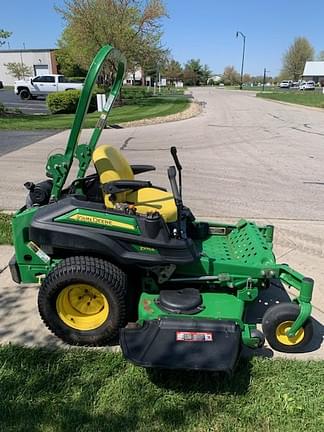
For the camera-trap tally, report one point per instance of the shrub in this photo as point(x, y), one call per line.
point(2, 108)
point(66, 102)
point(135, 92)
point(63, 102)
point(76, 79)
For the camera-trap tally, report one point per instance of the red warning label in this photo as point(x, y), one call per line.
point(188, 336)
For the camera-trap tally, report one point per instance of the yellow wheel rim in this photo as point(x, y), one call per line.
point(281, 334)
point(82, 307)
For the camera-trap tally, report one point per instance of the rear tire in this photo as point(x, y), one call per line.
point(25, 94)
point(277, 321)
point(83, 301)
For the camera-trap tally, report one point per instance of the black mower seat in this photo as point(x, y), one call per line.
point(111, 165)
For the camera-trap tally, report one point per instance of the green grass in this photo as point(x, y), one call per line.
point(142, 109)
point(309, 98)
point(248, 88)
point(83, 390)
point(5, 229)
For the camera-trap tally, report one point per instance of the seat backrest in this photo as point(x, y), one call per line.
point(111, 165)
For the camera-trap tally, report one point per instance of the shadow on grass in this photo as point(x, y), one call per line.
point(97, 391)
point(203, 381)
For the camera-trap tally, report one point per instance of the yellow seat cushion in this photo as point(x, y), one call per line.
point(112, 165)
point(151, 199)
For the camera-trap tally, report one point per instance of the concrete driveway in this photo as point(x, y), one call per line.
point(242, 157)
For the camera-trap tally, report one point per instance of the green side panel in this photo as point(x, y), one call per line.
point(216, 306)
point(33, 273)
point(20, 227)
point(127, 224)
point(244, 251)
point(30, 264)
point(144, 249)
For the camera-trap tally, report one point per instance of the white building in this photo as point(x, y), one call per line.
point(41, 61)
point(314, 71)
point(137, 78)
point(215, 78)
point(133, 78)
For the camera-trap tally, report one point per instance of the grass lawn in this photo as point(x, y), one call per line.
point(142, 109)
point(5, 229)
point(90, 390)
point(309, 98)
point(253, 89)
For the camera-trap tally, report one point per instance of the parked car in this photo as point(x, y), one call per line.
point(42, 85)
point(307, 85)
point(285, 84)
point(295, 84)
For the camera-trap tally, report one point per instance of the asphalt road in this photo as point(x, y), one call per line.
point(12, 101)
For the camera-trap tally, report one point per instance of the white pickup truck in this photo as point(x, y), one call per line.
point(42, 85)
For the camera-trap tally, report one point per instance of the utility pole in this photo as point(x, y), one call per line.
point(264, 78)
point(243, 55)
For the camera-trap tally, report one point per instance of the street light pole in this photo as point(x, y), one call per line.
point(243, 55)
point(264, 78)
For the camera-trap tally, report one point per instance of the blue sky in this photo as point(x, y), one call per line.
point(202, 29)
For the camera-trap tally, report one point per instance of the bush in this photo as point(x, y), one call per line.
point(135, 92)
point(66, 102)
point(63, 102)
point(2, 108)
point(76, 79)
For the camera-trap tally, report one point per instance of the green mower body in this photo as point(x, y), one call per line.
point(177, 293)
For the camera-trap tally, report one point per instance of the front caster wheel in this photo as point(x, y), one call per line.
point(83, 301)
point(276, 322)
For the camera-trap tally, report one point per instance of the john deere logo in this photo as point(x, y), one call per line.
point(145, 249)
point(101, 221)
point(113, 222)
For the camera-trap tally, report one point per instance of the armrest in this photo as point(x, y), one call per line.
point(123, 185)
point(138, 169)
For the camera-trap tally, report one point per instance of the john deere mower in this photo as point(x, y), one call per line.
point(117, 256)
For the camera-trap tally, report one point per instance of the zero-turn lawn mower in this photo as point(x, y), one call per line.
point(109, 243)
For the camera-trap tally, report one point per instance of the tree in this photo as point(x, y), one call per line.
point(320, 56)
point(195, 73)
point(295, 58)
point(173, 70)
point(132, 26)
point(206, 73)
point(18, 70)
point(152, 62)
point(67, 66)
point(247, 78)
point(3, 36)
point(231, 76)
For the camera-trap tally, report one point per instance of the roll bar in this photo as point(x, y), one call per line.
point(58, 165)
